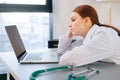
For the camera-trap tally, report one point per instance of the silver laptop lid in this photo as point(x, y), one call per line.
point(15, 40)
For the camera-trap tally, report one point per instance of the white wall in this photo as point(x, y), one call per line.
point(103, 10)
point(61, 13)
point(62, 10)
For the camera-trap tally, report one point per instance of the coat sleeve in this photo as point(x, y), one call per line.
point(98, 48)
point(65, 44)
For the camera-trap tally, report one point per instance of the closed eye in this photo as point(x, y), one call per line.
point(73, 20)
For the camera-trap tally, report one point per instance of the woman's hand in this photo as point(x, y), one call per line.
point(69, 34)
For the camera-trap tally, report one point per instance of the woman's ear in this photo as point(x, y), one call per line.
point(88, 21)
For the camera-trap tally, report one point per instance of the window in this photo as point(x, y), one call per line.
point(39, 2)
point(32, 18)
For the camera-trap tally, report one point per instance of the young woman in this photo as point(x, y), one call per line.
point(98, 42)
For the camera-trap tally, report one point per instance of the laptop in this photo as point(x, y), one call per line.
point(23, 56)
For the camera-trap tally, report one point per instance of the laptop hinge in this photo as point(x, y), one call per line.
point(21, 56)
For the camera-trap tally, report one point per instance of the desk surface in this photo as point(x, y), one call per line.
point(108, 71)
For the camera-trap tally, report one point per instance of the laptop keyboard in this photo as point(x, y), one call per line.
point(31, 57)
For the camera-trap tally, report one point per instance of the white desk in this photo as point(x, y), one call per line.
point(20, 71)
point(23, 71)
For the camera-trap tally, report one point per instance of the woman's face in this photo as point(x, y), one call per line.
point(79, 26)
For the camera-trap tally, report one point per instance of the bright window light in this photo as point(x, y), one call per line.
point(36, 2)
point(33, 27)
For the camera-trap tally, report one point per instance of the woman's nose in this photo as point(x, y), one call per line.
point(70, 25)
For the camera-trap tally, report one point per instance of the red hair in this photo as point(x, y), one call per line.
point(89, 11)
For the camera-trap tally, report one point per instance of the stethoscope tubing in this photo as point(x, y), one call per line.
point(37, 72)
point(72, 76)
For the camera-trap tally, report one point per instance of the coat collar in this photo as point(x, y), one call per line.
point(91, 32)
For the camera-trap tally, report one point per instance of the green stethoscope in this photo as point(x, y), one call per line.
point(72, 76)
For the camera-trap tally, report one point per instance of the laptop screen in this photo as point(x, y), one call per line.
point(15, 39)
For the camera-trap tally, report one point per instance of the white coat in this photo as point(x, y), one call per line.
point(100, 43)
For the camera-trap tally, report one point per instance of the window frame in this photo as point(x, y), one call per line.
point(26, 7)
point(31, 8)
